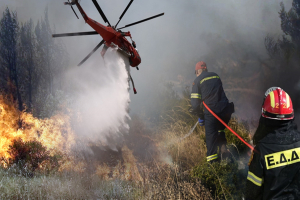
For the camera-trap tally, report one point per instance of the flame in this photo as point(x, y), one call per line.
point(54, 133)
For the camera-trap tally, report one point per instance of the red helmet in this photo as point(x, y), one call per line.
point(200, 65)
point(277, 105)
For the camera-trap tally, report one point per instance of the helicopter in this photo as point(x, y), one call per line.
point(112, 36)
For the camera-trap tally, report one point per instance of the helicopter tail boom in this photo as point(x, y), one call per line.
point(75, 2)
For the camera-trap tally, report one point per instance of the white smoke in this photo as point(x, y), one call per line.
point(100, 90)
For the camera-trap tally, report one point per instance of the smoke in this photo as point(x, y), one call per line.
point(217, 32)
point(101, 98)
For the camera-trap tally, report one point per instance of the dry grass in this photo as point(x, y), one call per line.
point(184, 151)
point(64, 186)
point(187, 152)
point(170, 182)
point(169, 175)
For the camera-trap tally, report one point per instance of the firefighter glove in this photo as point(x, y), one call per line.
point(201, 121)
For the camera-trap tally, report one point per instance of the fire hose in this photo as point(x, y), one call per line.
point(190, 132)
point(216, 116)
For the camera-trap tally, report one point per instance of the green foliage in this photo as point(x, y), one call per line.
point(9, 32)
point(224, 180)
point(32, 156)
point(288, 47)
point(227, 180)
point(242, 129)
point(285, 53)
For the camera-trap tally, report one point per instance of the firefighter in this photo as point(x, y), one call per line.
point(208, 87)
point(274, 170)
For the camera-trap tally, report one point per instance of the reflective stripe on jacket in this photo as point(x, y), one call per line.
point(208, 88)
point(274, 173)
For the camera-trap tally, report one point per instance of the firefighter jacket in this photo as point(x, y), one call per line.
point(208, 88)
point(274, 172)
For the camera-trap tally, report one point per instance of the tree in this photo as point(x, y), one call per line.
point(9, 29)
point(45, 51)
point(285, 53)
point(28, 73)
point(51, 61)
point(31, 64)
point(287, 48)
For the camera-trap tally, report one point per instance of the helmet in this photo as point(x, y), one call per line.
point(200, 65)
point(277, 105)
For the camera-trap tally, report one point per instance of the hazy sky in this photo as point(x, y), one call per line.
point(169, 45)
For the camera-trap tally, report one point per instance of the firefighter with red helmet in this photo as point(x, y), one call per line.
point(274, 170)
point(208, 87)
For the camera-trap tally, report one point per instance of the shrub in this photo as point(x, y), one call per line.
point(242, 129)
point(224, 180)
point(32, 156)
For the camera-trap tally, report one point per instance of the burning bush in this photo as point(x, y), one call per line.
point(31, 156)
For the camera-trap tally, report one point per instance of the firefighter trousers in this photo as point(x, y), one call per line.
point(215, 134)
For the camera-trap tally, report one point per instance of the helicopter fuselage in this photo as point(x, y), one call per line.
point(113, 38)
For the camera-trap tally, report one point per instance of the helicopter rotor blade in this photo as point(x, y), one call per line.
point(124, 13)
point(142, 21)
point(93, 51)
point(101, 12)
point(73, 10)
point(75, 34)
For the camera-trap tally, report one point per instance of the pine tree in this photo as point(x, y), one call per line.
point(27, 54)
point(9, 29)
point(51, 60)
point(288, 47)
point(45, 51)
point(285, 53)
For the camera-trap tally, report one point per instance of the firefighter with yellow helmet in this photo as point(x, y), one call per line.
point(274, 170)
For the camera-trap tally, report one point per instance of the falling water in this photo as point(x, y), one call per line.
point(101, 98)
